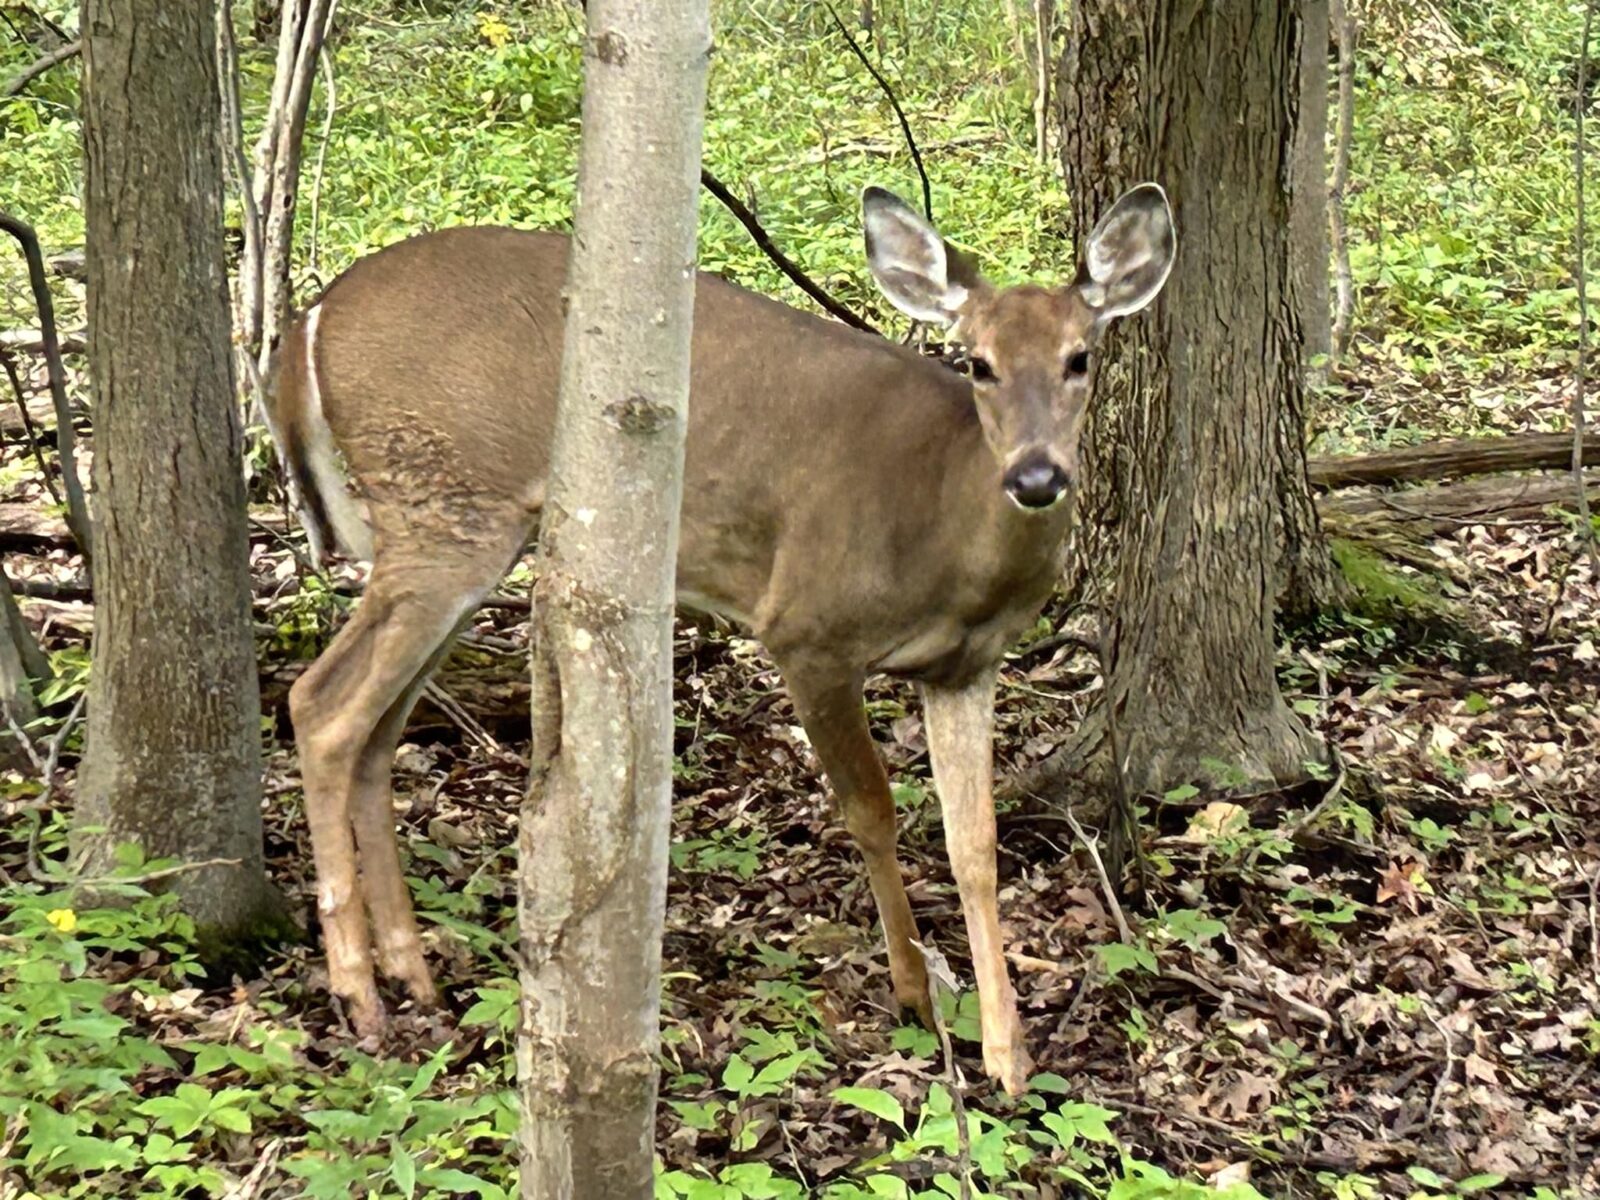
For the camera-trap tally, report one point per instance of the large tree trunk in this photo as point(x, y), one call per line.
point(595, 827)
point(1201, 502)
point(173, 759)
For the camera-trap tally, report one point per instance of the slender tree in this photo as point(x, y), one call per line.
point(1308, 195)
point(173, 757)
point(1200, 511)
point(595, 827)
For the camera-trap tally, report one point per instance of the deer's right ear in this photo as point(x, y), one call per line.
point(1130, 253)
point(923, 277)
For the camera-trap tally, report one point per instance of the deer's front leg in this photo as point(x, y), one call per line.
point(960, 726)
point(835, 720)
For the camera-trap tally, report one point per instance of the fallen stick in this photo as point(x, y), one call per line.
point(1446, 507)
point(1450, 460)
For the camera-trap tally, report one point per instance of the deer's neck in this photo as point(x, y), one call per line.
point(996, 567)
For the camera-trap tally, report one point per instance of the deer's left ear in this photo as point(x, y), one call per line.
point(1130, 253)
point(923, 276)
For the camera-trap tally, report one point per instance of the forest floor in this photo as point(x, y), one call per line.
point(1383, 984)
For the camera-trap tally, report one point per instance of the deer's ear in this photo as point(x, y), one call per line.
point(1130, 253)
point(923, 276)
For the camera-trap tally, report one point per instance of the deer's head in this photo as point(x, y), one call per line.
point(1031, 348)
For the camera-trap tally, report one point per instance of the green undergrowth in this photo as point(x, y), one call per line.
point(1380, 587)
point(1460, 206)
point(123, 1077)
point(1462, 212)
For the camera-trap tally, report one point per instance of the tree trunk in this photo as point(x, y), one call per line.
point(1308, 197)
point(1344, 30)
point(1201, 501)
point(595, 826)
point(173, 760)
point(22, 665)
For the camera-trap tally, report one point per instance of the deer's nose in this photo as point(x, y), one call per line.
point(1036, 482)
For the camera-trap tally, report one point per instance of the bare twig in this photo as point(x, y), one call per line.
point(942, 979)
point(889, 149)
point(784, 263)
point(77, 505)
point(28, 430)
point(41, 803)
point(39, 66)
point(894, 103)
point(1344, 26)
point(29, 750)
point(1309, 818)
point(1594, 923)
point(155, 876)
point(247, 305)
point(1089, 844)
point(1579, 105)
point(1444, 1075)
point(277, 172)
point(1124, 828)
point(447, 704)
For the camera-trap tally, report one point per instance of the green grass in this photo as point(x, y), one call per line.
point(1460, 210)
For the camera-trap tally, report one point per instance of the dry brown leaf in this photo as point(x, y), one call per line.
point(1402, 883)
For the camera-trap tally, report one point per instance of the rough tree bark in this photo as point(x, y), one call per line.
point(1199, 502)
point(594, 829)
point(174, 736)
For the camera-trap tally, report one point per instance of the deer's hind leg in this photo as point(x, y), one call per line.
point(383, 884)
point(348, 710)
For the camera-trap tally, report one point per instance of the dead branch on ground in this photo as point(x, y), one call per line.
point(1449, 459)
point(1445, 508)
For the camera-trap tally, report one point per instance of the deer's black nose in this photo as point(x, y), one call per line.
point(1036, 482)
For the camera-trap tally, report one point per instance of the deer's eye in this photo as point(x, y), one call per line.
point(1078, 364)
point(982, 372)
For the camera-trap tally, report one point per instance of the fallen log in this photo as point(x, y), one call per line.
point(31, 341)
point(1451, 460)
point(1447, 507)
point(25, 527)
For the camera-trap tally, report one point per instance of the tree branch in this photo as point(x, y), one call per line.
point(784, 263)
point(39, 66)
point(77, 505)
point(32, 434)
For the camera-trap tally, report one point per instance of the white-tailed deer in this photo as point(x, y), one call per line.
point(859, 507)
